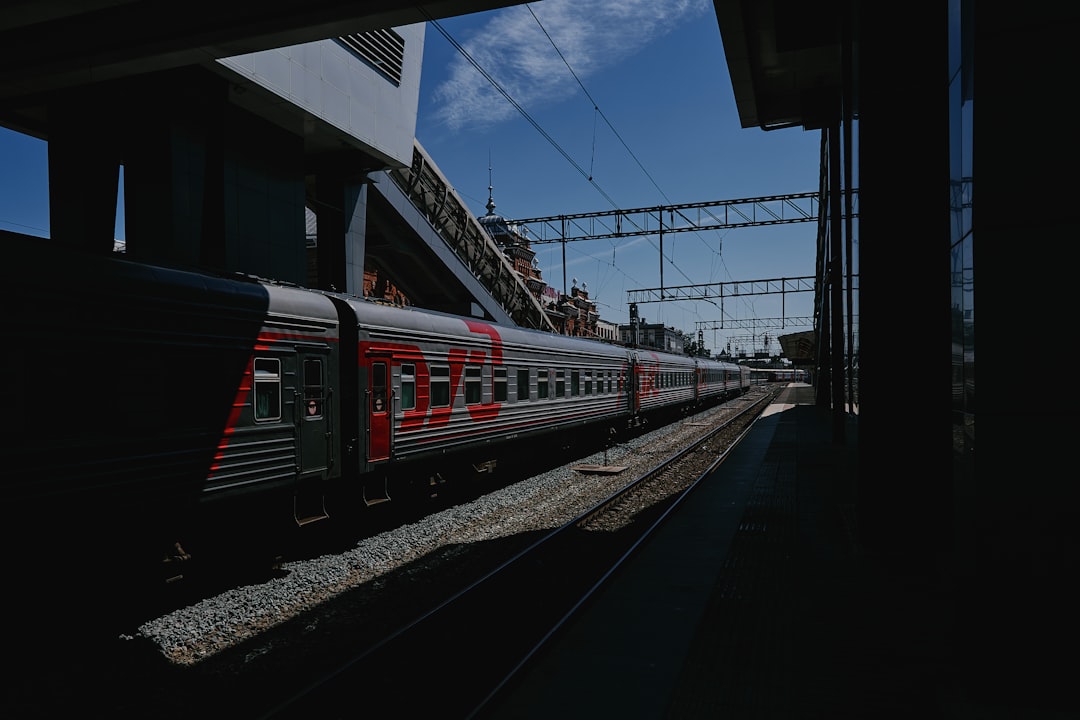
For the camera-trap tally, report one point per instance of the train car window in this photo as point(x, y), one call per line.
point(575, 383)
point(542, 384)
point(560, 383)
point(523, 384)
point(313, 388)
point(440, 386)
point(498, 384)
point(378, 388)
point(588, 382)
point(473, 384)
point(267, 389)
point(408, 386)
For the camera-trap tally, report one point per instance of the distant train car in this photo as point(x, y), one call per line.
point(438, 387)
point(435, 388)
point(150, 403)
point(764, 375)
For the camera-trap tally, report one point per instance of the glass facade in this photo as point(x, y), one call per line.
point(961, 234)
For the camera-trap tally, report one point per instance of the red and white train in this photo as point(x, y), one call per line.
point(143, 400)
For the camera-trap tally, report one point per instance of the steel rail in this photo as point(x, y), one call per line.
point(460, 653)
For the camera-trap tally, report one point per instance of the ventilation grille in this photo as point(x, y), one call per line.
point(384, 50)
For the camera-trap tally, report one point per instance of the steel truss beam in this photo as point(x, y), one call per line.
point(720, 290)
point(687, 217)
point(755, 323)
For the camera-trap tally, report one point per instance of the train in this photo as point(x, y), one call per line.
point(147, 403)
point(770, 375)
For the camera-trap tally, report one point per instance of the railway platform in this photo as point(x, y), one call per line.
point(755, 601)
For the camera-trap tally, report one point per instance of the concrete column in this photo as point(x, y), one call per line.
point(173, 170)
point(904, 281)
point(84, 172)
point(341, 212)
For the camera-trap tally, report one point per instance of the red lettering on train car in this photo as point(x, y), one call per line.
point(424, 414)
point(488, 410)
point(399, 353)
point(648, 373)
point(496, 340)
point(441, 415)
point(264, 343)
point(243, 392)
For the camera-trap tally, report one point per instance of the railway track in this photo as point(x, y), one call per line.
point(455, 658)
point(317, 633)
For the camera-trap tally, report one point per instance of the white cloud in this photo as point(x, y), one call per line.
point(512, 48)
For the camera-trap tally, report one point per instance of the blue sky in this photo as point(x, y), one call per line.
point(635, 94)
point(24, 184)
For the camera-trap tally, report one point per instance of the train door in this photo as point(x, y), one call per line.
point(697, 382)
point(315, 414)
point(380, 413)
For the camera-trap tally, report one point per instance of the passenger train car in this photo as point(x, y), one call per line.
point(147, 402)
point(767, 374)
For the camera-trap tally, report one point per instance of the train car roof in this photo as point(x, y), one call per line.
point(434, 324)
point(438, 325)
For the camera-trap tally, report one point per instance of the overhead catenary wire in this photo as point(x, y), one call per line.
point(598, 112)
point(487, 76)
point(536, 125)
point(596, 105)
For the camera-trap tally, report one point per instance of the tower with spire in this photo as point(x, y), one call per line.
point(515, 245)
point(574, 314)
